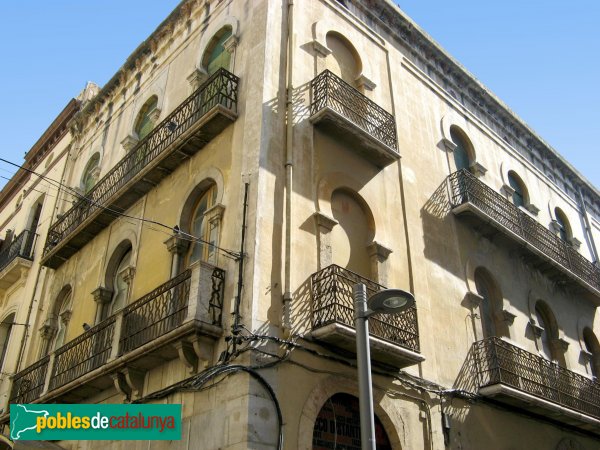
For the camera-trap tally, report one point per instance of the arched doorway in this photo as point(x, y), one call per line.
point(337, 426)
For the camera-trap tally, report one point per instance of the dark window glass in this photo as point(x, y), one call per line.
point(338, 426)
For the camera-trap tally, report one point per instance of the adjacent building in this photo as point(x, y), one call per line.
point(202, 219)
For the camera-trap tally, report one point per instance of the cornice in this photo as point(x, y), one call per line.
point(44, 145)
point(433, 60)
point(134, 62)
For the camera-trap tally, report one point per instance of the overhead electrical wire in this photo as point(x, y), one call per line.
point(182, 234)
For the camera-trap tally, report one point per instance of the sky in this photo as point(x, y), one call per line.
point(541, 57)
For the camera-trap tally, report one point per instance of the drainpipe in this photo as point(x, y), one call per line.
point(289, 163)
point(588, 227)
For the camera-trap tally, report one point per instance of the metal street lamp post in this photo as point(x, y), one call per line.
point(388, 301)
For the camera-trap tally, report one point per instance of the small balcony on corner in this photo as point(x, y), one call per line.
point(190, 127)
point(488, 211)
point(179, 319)
point(394, 339)
point(360, 123)
point(519, 378)
point(16, 259)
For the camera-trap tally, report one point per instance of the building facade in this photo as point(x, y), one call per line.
point(213, 205)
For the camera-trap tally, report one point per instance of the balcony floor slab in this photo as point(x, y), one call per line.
point(382, 351)
point(355, 137)
point(514, 397)
point(475, 216)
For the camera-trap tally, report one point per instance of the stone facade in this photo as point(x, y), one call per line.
point(218, 219)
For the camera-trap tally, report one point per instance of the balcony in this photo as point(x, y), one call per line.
point(181, 318)
point(394, 338)
point(193, 124)
point(490, 211)
point(16, 259)
point(514, 376)
point(360, 123)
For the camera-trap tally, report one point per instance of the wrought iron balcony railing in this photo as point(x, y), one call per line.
point(219, 91)
point(29, 383)
point(328, 91)
point(143, 321)
point(331, 290)
point(499, 362)
point(155, 314)
point(83, 354)
point(466, 188)
point(20, 247)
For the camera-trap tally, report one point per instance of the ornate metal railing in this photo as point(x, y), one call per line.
point(156, 313)
point(331, 290)
point(330, 91)
point(466, 188)
point(83, 354)
point(219, 89)
point(21, 246)
point(150, 317)
point(28, 384)
point(498, 362)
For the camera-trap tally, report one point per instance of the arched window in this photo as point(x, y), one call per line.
point(593, 347)
point(462, 157)
point(90, 174)
point(519, 197)
point(146, 118)
point(216, 56)
point(491, 304)
point(356, 230)
point(116, 282)
point(119, 284)
point(203, 249)
point(338, 425)
point(549, 333)
point(344, 60)
point(35, 214)
point(564, 229)
point(62, 311)
point(6, 327)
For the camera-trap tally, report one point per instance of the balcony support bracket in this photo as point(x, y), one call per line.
point(121, 385)
point(187, 355)
point(203, 348)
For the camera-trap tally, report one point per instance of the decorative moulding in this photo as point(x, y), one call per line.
point(562, 344)
point(450, 146)
point(363, 82)
point(154, 114)
point(534, 210)
point(379, 250)
point(196, 78)
point(48, 330)
point(507, 190)
point(176, 244)
point(215, 212)
point(555, 226)
point(537, 330)
point(575, 243)
point(102, 295)
point(65, 316)
point(477, 169)
point(129, 142)
point(230, 43)
point(324, 221)
point(585, 356)
point(320, 49)
point(475, 299)
point(127, 274)
point(508, 316)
